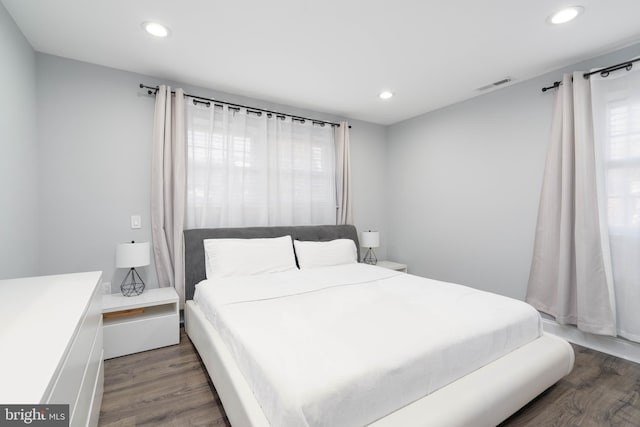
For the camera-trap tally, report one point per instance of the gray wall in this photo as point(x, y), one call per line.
point(369, 178)
point(95, 152)
point(94, 145)
point(464, 184)
point(18, 153)
point(454, 192)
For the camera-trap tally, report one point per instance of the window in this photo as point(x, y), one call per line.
point(616, 112)
point(249, 169)
point(620, 143)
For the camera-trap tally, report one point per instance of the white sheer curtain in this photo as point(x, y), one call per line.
point(616, 109)
point(168, 188)
point(571, 269)
point(249, 169)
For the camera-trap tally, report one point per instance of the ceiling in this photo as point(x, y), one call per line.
point(332, 56)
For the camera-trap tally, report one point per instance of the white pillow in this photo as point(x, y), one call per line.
point(323, 254)
point(245, 257)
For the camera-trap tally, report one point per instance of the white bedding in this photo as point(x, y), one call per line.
point(346, 345)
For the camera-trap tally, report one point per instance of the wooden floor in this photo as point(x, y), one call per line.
point(169, 387)
point(164, 387)
point(601, 390)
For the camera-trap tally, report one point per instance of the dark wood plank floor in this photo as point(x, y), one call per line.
point(164, 387)
point(170, 387)
point(601, 391)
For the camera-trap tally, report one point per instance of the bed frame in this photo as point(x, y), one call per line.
point(484, 397)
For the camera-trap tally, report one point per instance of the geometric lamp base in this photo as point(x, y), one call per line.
point(370, 257)
point(132, 284)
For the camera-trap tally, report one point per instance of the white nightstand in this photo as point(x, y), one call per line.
point(143, 322)
point(392, 265)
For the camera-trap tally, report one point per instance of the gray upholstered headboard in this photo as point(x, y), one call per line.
point(194, 263)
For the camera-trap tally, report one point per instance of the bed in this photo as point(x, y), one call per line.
point(525, 361)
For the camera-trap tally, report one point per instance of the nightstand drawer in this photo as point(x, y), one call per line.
point(144, 333)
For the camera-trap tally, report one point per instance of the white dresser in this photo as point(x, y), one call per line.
point(51, 335)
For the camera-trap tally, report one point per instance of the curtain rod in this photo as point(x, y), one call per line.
point(553, 86)
point(154, 90)
point(604, 72)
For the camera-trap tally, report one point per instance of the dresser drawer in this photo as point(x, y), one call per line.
point(92, 375)
point(67, 386)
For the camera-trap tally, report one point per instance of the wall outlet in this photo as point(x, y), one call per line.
point(106, 288)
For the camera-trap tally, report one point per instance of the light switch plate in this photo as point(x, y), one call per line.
point(136, 222)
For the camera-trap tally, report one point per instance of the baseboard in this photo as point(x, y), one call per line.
point(614, 346)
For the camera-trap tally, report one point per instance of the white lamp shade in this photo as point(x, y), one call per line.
point(129, 255)
point(370, 239)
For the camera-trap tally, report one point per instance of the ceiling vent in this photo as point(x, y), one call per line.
point(495, 84)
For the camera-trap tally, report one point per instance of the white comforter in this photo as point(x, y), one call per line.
point(346, 345)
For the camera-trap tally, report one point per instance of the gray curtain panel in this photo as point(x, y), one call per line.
point(168, 188)
point(570, 276)
point(343, 175)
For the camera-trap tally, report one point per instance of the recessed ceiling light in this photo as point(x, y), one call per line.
point(565, 15)
point(155, 29)
point(385, 95)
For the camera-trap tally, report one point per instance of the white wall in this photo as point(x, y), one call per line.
point(464, 184)
point(95, 152)
point(18, 155)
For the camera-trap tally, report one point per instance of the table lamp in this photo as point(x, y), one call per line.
point(132, 255)
point(370, 239)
